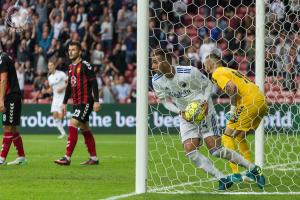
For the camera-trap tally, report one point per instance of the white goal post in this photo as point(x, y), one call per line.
point(260, 74)
point(142, 94)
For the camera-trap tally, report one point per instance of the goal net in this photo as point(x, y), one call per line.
point(190, 30)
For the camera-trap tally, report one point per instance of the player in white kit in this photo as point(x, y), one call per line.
point(58, 83)
point(176, 87)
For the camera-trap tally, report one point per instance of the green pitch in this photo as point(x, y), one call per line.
point(42, 179)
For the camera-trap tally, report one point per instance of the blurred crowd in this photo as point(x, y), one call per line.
point(190, 29)
point(106, 30)
point(193, 29)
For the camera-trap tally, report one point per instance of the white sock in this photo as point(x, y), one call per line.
point(60, 127)
point(68, 157)
point(233, 156)
point(94, 158)
point(204, 163)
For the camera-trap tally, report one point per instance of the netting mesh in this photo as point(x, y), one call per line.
point(191, 30)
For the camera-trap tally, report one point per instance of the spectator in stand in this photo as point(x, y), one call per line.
point(108, 91)
point(121, 25)
point(122, 90)
point(40, 61)
point(46, 91)
point(130, 42)
point(20, 74)
point(97, 55)
point(23, 53)
point(109, 69)
point(57, 21)
point(28, 73)
point(133, 17)
point(42, 11)
point(106, 34)
point(81, 20)
point(118, 58)
point(38, 85)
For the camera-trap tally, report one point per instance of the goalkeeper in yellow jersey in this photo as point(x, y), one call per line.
point(248, 105)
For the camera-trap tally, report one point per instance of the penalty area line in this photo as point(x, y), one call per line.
point(120, 196)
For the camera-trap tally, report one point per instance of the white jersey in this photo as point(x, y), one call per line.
point(188, 85)
point(57, 81)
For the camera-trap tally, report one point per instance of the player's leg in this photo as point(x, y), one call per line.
point(90, 144)
point(213, 143)
point(18, 143)
point(6, 142)
point(191, 141)
point(58, 117)
point(72, 141)
point(11, 119)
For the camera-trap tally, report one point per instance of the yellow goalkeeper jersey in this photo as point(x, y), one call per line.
point(248, 91)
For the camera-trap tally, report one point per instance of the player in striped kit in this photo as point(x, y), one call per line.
point(176, 87)
point(82, 86)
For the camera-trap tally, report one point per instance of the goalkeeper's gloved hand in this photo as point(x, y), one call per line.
point(230, 114)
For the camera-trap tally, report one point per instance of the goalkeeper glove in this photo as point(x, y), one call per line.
point(230, 114)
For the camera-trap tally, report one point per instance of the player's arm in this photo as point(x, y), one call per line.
point(3, 80)
point(61, 89)
point(232, 91)
point(67, 96)
point(163, 98)
point(3, 83)
point(93, 82)
point(202, 81)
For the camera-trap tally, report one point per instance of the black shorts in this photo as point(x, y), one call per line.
point(82, 112)
point(12, 115)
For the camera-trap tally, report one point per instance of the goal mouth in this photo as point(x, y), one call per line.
point(189, 31)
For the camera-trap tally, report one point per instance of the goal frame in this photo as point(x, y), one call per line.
point(142, 89)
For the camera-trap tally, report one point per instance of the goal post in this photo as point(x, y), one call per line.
point(260, 74)
point(142, 94)
point(258, 33)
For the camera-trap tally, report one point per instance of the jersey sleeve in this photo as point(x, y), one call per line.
point(4, 63)
point(202, 81)
point(162, 96)
point(92, 79)
point(160, 93)
point(221, 77)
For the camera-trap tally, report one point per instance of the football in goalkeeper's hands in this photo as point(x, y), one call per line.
point(196, 112)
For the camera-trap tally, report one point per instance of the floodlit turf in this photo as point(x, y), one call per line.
point(42, 179)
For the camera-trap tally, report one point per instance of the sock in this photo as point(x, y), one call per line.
point(90, 143)
point(18, 143)
point(233, 156)
point(6, 142)
point(229, 143)
point(72, 140)
point(60, 127)
point(204, 163)
point(243, 147)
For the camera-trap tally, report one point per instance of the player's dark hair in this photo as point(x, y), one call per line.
point(163, 55)
point(75, 43)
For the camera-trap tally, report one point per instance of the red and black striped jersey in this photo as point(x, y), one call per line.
point(7, 65)
point(82, 84)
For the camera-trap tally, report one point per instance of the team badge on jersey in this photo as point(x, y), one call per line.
point(73, 81)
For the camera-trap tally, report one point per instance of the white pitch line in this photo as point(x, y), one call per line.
point(120, 196)
point(158, 190)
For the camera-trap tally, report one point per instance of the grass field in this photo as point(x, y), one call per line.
point(42, 179)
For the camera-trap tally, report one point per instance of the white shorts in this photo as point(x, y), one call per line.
point(56, 105)
point(205, 129)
